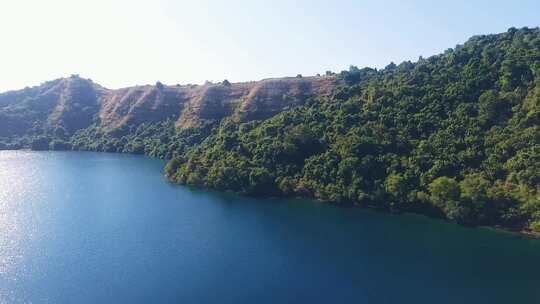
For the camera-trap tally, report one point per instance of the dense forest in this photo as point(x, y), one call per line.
point(456, 135)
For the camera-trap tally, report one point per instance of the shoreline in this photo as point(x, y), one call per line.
point(519, 232)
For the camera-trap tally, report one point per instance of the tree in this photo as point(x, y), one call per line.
point(397, 186)
point(474, 190)
point(474, 187)
point(40, 143)
point(493, 109)
point(261, 181)
point(59, 145)
point(172, 166)
point(445, 194)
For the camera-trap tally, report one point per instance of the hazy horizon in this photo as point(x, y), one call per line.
point(128, 43)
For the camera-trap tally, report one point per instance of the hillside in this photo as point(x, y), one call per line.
point(454, 135)
point(59, 108)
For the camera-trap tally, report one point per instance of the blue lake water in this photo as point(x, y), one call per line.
point(107, 228)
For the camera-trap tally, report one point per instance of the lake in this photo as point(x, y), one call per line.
point(107, 228)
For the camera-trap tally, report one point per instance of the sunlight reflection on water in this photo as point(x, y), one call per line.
point(18, 223)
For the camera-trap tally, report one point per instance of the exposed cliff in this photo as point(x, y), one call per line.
point(252, 100)
point(63, 106)
point(123, 108)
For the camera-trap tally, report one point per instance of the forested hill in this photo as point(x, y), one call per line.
point(454, 135)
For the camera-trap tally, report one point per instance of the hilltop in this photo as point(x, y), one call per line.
point(63, 106)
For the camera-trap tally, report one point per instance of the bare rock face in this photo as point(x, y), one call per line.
point(210, 103)
point(251, 100)
point(271, 96)
point(133, 106)
point(66, 105)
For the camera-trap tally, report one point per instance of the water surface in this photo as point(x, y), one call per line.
point(106, 228)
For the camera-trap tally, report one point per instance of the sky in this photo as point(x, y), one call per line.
point(125, 43)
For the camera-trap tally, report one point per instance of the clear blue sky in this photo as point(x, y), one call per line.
point(124, 43)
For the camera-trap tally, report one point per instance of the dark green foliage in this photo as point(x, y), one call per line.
point(455, 135)
point(40, 143)
point(12, 143)
point(59, 145)
point(445, 194)
point(160, 140)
